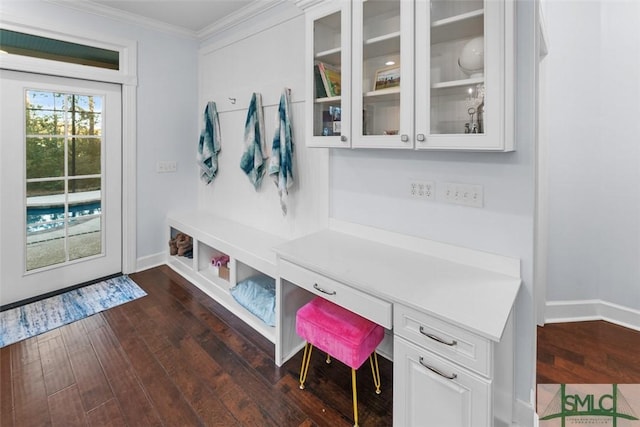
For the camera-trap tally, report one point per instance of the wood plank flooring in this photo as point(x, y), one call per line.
point(594, 352)
point(175, 358)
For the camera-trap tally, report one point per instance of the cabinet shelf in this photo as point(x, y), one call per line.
point(458, 83)
point(382, 45)
point(327, 100)
point(384, 94)
point(330, 56)
point(458, 27)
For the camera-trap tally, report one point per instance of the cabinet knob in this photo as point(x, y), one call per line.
point(343, 138)
point(420, 137)
point(404, 138)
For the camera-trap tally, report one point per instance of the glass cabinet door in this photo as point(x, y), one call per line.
point(460, 47)
point(328, 75)
point(382, 73)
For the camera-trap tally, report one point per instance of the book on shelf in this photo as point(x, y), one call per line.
point(321, 91)
point(331, 78)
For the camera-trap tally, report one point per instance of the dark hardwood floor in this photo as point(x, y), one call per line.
point(175, 358)
point(594, 352)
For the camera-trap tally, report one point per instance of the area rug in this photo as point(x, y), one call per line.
point(41, 316)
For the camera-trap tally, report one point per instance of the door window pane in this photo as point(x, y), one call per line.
point(63, 215)
point(84, 157)
point(45, 157)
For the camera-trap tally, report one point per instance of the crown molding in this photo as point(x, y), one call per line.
point(306, 4)
point(120, 15)
point(249, 23)
point(216, 28)
point(238, 17)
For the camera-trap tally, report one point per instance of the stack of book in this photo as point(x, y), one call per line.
point(327, 79)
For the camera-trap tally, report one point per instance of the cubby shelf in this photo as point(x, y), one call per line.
point(249, 252)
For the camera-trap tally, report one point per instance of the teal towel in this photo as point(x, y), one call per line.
point(253, 161)
point(281, 161)
point(209, 145)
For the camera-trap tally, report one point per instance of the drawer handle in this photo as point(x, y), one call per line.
point(436, 338)
point(318, 288)
point(432, 369)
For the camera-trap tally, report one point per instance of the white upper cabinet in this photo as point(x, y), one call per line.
point(412, 74)
point(464, 74)
point(328, 68)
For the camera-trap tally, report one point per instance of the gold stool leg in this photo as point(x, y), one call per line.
point(375, 371)
point(306, 357)
point(355, 398)
point(328, 359)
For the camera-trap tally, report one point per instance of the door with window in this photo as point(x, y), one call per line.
point(60, 158)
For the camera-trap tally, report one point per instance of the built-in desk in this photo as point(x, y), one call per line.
point(447, 310)
point(450, 317)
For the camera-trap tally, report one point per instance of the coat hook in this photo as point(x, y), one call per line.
point(232, 100)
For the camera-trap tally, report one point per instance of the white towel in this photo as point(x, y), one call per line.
point(253, 159)
point(281, 161)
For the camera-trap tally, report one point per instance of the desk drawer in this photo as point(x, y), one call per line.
point(454, 343)
point(368, 306)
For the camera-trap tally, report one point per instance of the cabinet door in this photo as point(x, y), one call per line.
point(382, 73)
point(428, 390)
point(464, 74)
point(328, 68)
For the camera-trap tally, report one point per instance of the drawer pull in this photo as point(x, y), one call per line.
point(318, 288)
point(442, 374)
point(436, 338)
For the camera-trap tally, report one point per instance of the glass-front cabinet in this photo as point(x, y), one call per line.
point(464, 82)
point(416, 74)
point(382, 77)
point(328, 64)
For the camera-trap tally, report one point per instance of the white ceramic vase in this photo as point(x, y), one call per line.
point(471, 59)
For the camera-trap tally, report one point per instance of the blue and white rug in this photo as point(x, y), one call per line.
point(41, 316)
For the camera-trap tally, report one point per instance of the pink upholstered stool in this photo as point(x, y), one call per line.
point(342, 334)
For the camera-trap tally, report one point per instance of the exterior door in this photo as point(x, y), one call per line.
point(60, 177)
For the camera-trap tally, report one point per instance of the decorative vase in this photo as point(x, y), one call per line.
point(471, 59)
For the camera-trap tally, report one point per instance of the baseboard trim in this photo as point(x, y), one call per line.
point(524, 414)
point(584, 310)
point(150, 261)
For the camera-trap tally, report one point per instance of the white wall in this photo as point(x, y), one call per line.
point(594, 155)
point(167, 123)
point(264, 62)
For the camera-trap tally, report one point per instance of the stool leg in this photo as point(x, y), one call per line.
point(375, 371)
point(306, 357)
point(328, 359)
point(355, 397)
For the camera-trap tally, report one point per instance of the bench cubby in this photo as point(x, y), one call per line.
point(249, 250)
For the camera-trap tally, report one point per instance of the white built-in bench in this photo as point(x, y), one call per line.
point(250, 252)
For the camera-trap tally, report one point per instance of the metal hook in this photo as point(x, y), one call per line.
point(232, 100)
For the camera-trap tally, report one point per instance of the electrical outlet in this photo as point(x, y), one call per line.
point(425, 190)
point(463, 194)
point(163, 167)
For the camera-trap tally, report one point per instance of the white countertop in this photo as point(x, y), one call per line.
point(473, 298)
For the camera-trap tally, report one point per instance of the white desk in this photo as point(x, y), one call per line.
point(411, 294)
